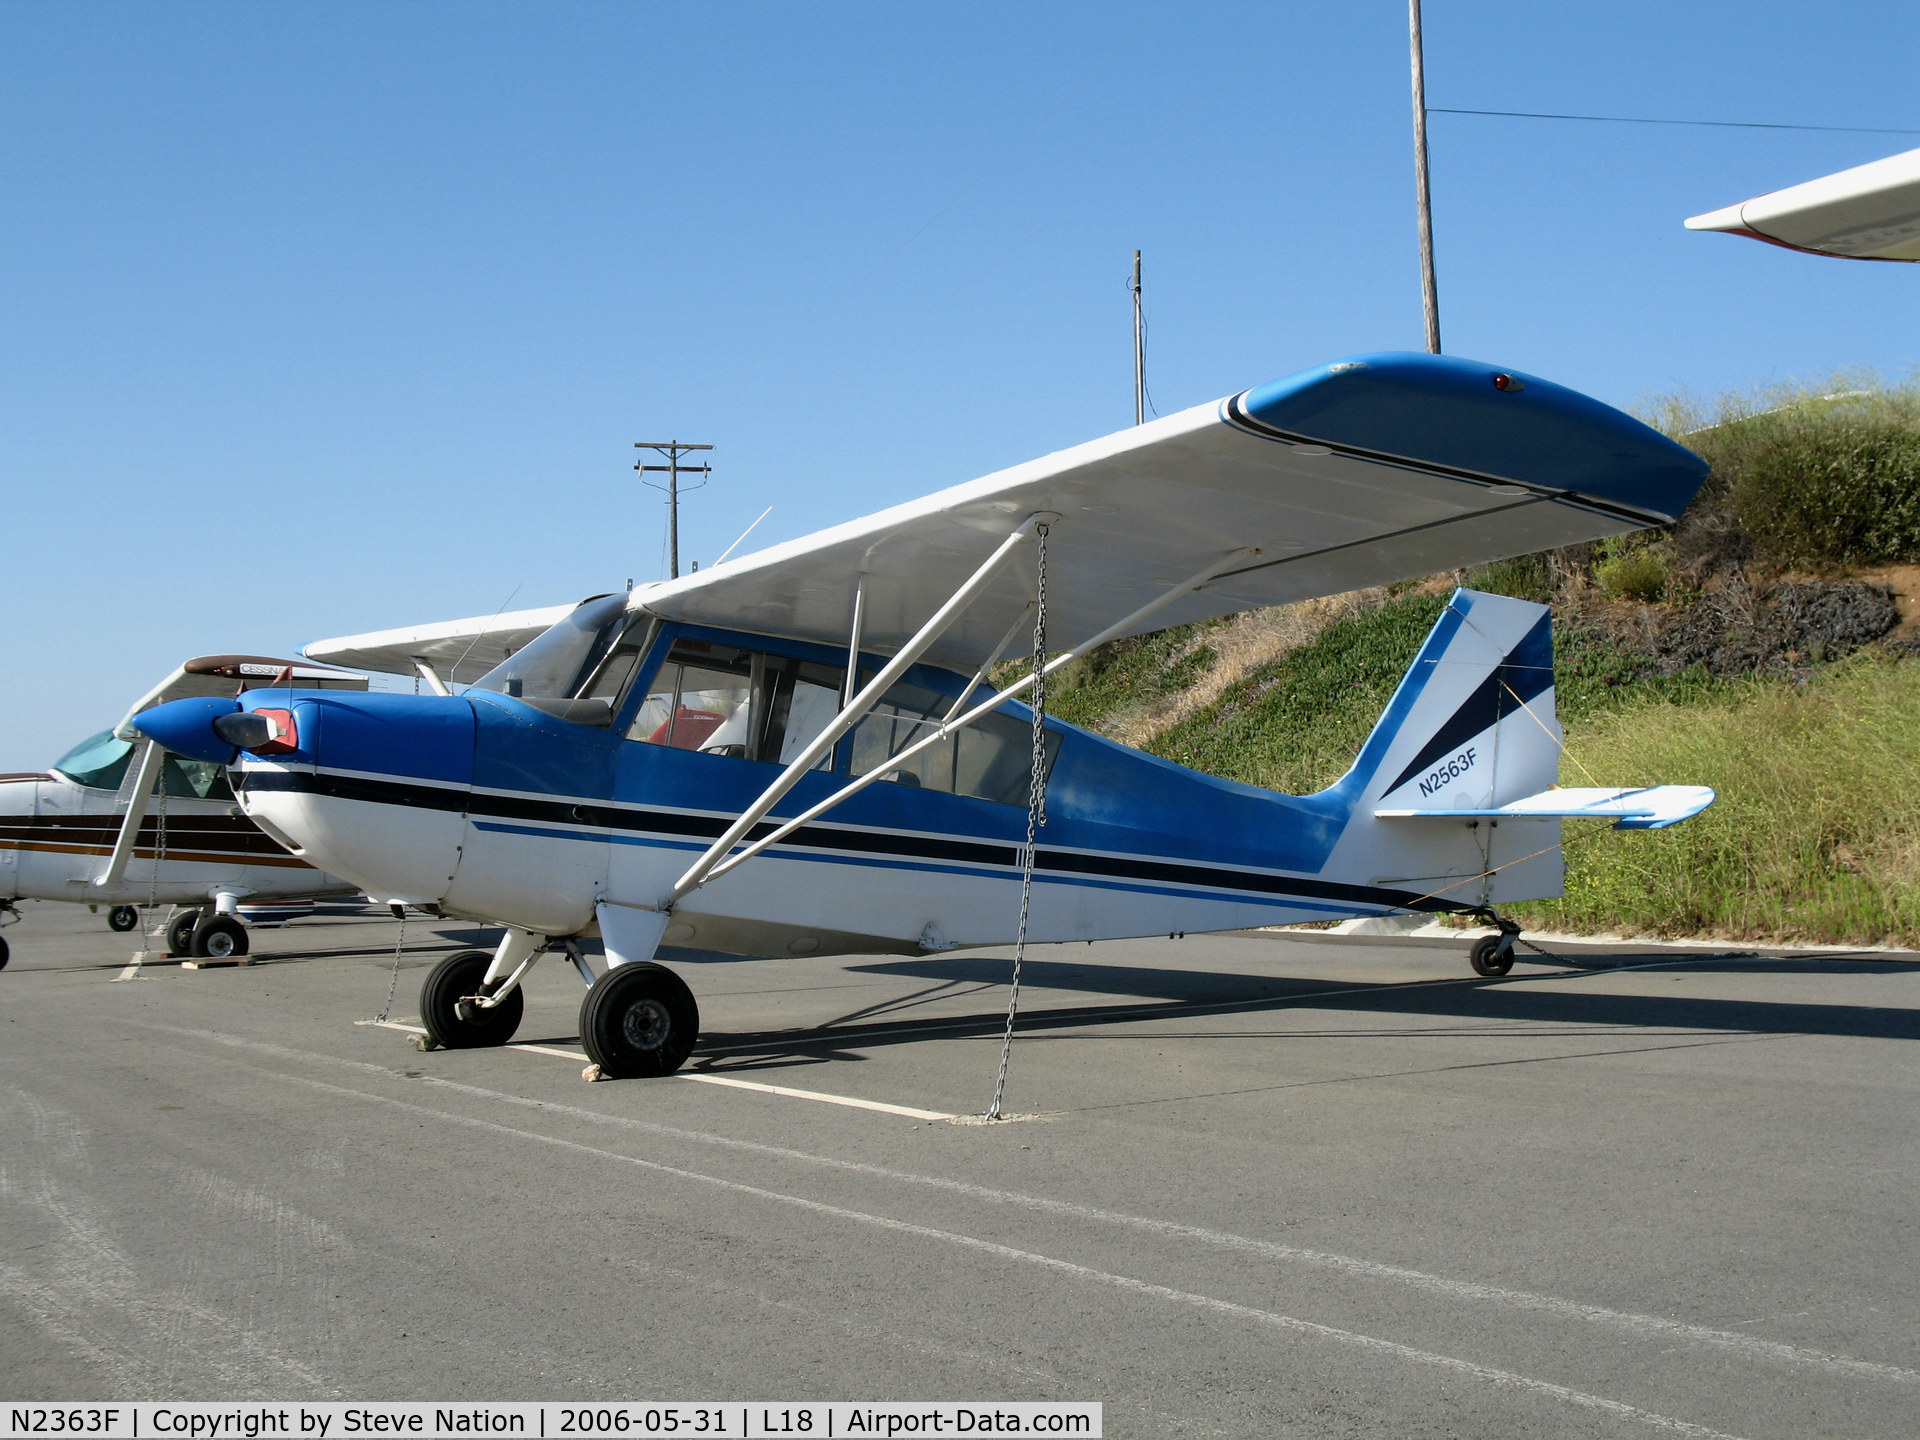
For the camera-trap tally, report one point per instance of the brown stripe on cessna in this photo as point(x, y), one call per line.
point(230, 838)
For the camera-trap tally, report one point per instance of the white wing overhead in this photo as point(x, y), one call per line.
point(1364, 472)
point(461, 651)
point(1871, 212)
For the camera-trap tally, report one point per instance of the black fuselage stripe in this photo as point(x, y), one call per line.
point(919, 847)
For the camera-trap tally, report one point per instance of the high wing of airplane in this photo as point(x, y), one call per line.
point(119, 821)
point(797, 753)
point(1871, 212)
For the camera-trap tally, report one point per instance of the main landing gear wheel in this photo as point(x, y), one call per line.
point(180, 932)
point(5, 954)
point(122, 918)
point(219, 937)
point(639, 1020)
point(1491, 955)
point(453, 1021)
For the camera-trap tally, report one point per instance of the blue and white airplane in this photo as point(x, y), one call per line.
point(796, 753)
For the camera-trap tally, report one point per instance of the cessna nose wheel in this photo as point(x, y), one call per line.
point(447, 1006)
point(122, 918)
point(639, 1020)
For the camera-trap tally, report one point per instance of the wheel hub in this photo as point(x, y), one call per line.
point(646, 1024)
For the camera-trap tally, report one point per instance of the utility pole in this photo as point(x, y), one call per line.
point(673, 470)
point(1429, 291)
point(1139, 351)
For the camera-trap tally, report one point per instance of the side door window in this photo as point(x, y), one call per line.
point(699, 700)
point(742, 704)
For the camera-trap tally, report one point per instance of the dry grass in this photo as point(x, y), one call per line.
point(1239, 647)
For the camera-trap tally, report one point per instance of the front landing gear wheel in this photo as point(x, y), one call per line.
point(180, 932)
point(219, 937)
point(639, 1020)
point(1491, 955)
point(122, 918)
point(453, 1021)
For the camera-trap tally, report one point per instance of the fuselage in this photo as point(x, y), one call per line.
point(511, 810)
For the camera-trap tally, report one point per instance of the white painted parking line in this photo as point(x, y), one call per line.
point(885, 1109)
point(851, 1102)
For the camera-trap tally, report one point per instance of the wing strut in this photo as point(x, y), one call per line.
point(432, 676)
point(143, 779)
point(1119, 627)
point(851, 714)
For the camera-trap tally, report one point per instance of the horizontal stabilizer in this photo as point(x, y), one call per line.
point(1653, 807)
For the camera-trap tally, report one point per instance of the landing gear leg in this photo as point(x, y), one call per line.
point(1493, 954)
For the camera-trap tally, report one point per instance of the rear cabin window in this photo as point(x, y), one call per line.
point(991, 759)
point(746, 704)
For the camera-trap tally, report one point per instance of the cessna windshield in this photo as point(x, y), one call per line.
point(100, 763)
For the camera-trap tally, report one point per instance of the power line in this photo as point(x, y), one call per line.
point(1645, 120)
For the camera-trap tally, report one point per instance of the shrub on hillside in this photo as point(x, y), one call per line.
point(1806, 478)
point(1631, 574)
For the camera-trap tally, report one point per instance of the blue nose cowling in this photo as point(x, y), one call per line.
point(186, 728)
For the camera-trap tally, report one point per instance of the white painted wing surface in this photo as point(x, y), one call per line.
point(1371, 470)
point(1652, 807)
point(461, 650)
point(1871, 212)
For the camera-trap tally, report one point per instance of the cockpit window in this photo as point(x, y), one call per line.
point(99, 762)
point(566, 657)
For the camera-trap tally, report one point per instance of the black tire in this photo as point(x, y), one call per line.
point(180, 932)
point(1491, 955)
point(5, 954)
point(639, 1020)
point(219, 937)
point(454, 1025)
point(123, 918)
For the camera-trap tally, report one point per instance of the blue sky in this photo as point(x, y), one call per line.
point(331, 317)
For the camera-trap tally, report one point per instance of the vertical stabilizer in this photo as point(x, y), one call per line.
point(1471, 727)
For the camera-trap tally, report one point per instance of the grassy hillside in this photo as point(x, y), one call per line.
point(1755, 646)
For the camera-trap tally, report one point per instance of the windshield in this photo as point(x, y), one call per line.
point(99, 762)
point(554, 666)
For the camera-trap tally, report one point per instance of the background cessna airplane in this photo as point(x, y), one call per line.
point(89, 830)
point(655, 767)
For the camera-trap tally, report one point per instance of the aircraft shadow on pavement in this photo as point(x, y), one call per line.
point(1172, 994)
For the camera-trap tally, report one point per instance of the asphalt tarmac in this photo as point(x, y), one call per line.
point(1269, 1185)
